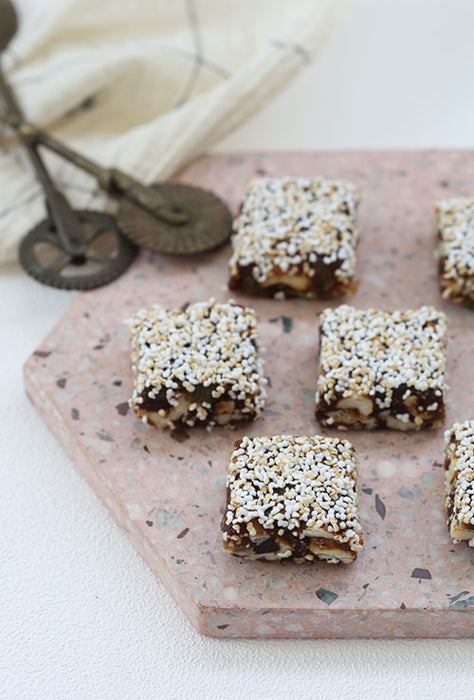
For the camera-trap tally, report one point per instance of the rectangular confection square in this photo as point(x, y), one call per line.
point(455, 225)
point(292, 498)
point(295, 236)
point(459, 465)
point(380, 369)
point(199, 365)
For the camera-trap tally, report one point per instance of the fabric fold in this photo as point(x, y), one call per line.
point(145, 87)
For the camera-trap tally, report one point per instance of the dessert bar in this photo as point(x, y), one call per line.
point(295, 236)
point(379, 369)
point(455, 224)
point(292, 497)
point(459, 465)
point(197, 365)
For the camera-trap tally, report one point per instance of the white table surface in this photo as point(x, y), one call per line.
point(81, 615)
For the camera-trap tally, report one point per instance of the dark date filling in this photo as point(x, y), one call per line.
point(423, 400)
point(269, 541)
point(300, 547)
point(324, 283)
point(201, 394)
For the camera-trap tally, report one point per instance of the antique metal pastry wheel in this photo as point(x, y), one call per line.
point(206, 223)
point(102, 255)
point(76, 249)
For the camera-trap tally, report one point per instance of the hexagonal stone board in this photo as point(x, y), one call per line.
point(168, 494)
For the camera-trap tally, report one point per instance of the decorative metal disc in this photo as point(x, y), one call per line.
point(208, 222)
point(106, 254)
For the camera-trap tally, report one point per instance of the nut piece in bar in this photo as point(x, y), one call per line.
point(455, 225)
point(292, 497)
point(381, 370)
point(459, 465)
point(199, 365)
point(295, 236)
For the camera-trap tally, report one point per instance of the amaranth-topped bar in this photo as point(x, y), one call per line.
point(455, 224)
point(459, 465)
point(295, 236)
point(381, 370)
point(197, 365)
point(292, 497)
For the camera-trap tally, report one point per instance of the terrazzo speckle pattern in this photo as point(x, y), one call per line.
point(167, 489)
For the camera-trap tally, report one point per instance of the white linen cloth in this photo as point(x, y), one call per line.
point(144, 86)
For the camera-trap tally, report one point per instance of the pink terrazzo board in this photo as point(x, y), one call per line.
point(169, 494)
